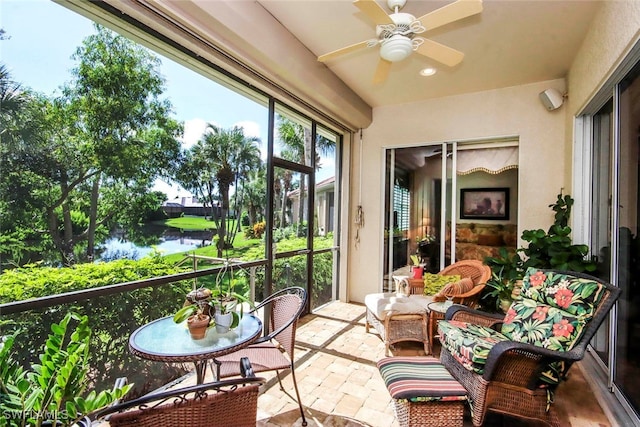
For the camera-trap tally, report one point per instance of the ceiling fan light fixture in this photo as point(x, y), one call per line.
point(396, 48)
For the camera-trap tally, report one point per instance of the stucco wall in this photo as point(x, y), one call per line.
point(614, 31)
point(515, 111)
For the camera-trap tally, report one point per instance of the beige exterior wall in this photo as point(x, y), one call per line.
point(614, 31)
point(515, 111)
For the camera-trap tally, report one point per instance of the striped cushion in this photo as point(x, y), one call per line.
point(419, 379)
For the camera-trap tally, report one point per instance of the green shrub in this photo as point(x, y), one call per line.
point(112, 318)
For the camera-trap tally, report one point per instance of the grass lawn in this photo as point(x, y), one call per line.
point(240, 244)
point(190, 223)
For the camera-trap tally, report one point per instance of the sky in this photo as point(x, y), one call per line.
point(42, 37)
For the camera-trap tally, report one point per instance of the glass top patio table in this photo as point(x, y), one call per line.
point(164, 340)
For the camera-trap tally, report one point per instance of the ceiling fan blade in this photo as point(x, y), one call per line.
point(441, 53)
point(373, 10)
point(382, 71)
point(329, 56)
point(450, 13)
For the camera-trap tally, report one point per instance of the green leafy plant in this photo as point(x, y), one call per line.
point(415, 259)
point(506, 269)
point(500, 290)
point(51, 391)
point(188, 310)
point(554, 249)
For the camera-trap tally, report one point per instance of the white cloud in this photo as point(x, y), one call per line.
point(172, 190)
point(250, 129)
point(193, 130)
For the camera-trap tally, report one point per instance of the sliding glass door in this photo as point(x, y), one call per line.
point(615, 226)
point(423, 219)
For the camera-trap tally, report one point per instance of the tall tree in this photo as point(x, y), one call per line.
point(297, 138)
point(247, 160)
point(18, 201)
point(116, 97)
point(102, 143)
point(213, 164)
point(255, 195)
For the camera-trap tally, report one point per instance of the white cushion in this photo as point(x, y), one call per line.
point(381, 304)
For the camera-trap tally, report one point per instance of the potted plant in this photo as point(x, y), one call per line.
point(417, 269)
point(226, 298)
point(50, 393)
point(197, 313)
point(500, 290)
point(552, 249)
point(506, 278)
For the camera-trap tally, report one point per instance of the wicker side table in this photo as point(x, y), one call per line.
point(424, 392)
point(436, 312)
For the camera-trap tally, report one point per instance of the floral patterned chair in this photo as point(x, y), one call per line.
point(512, 364)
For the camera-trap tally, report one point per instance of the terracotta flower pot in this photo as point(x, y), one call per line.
point(198, 325)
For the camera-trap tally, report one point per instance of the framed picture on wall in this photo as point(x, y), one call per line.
point(484, 203)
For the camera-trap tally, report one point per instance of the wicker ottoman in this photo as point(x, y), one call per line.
point(424, 392)
point(398, 319)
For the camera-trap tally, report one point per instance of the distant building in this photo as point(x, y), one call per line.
point(186, 205)
point(324, 201)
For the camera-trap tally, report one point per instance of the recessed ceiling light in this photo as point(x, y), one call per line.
point(429, 71)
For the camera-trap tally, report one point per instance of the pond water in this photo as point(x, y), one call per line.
point(165, 240)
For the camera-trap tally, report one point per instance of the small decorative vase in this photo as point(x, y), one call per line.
point(223, 322)
point(418, 271)
point(198, 326)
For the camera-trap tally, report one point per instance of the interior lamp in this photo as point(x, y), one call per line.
point(396, 48)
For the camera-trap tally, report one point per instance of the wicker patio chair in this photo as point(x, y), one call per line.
point(409, 321)
point(274, 351)
point(229, 403)
point(479, 274)
point(512, 364)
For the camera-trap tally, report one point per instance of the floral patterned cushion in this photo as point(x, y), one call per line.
point(469, 344)
point(576, 295)
point(542, 325)
point(553, 310)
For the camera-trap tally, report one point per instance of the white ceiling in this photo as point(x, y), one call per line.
point(512, 42)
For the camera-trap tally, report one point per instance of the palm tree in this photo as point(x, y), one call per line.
point(247, 160)
point(255, 195)
point(226, 151)
point(297, 139)
point(13, 101)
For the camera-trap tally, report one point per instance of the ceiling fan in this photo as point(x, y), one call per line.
point(396, 33)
